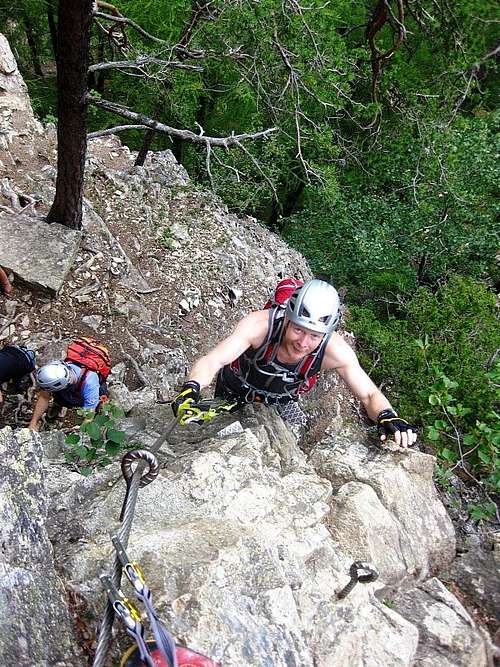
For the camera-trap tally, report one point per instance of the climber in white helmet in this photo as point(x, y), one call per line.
point(274, 355)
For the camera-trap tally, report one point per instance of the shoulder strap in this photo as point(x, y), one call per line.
point(312, 363)
point(269, 348)
point(82, 379)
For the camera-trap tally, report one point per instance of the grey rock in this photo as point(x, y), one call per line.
point(233, 542)
point(476, 573)
point(127, 399)
point(117, 373)
point(35, 626)
point(15, 107)
point(39, 253)
point(93, 321)
point(448, 637)
point(386, 509)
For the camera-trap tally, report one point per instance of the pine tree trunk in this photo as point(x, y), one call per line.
point(73, 45)
point(146, 145)
point(30, 37)
point(52, 26)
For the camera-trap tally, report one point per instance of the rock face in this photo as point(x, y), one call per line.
point(15, 109)
point(35, 627)
point(40, 254)
point(476, 573)
point(234, 540)
point(386, 508)
point(448, 637)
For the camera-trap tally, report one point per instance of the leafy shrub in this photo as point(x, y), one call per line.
point(435, 366)
point(98, 441)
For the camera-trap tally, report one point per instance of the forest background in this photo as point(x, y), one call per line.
point(382, 167)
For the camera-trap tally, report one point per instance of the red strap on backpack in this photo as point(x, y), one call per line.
point(283, 291)
point(90, 354)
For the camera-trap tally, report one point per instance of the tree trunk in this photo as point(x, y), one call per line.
point(146, 145)
point(101, 76)
point(30, 36)
point(52, 26)
point(73, 45)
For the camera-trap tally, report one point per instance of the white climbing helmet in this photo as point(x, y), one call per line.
point(54, 376)
point(315, 306)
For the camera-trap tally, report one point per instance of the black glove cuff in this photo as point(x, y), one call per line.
point(387, 414)
point(195, 386)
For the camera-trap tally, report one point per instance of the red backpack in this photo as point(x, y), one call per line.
point(90, 354)
point(283, 291)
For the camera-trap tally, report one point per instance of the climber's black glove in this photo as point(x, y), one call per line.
point(189, 394)
point(389, 424)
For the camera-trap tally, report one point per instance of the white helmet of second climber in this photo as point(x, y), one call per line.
point(315, 306)
point(54, 376)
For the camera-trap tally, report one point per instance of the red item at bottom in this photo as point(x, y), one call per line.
point(186, 657)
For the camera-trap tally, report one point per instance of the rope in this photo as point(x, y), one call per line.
point(128, 511)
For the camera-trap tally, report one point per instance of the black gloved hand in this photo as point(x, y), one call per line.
point(189, 393)
point(388, 423)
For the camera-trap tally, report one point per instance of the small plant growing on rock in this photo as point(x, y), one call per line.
point(98, 440)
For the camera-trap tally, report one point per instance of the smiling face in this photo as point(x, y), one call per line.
point(299, 342)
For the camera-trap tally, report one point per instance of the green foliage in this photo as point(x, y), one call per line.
point(98, 441)
point(385, 236)
point(433, 361)
point(483, 511)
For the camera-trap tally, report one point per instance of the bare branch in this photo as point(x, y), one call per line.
point(114, 130)
point(179, 49)
point(124, 20)
point(140, 61)
point(186, 135)
point(259, 168)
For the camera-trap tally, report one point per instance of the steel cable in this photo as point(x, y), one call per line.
point(128, 512)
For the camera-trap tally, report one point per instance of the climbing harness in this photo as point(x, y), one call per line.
point(360, 572)
point(145, 471)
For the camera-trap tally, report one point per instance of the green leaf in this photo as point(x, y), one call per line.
point(112, 448)
point(116, 411)
point(81, 451)
point(101, 420)
point(452, 410)
point(72, 439)
point(448, 455)
point(85, 471)
point(432, 434)
point(93, 430)
point(484, 456)
point(115, 436)
point(91, 454)
point(440, 424)
point(434, 399)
